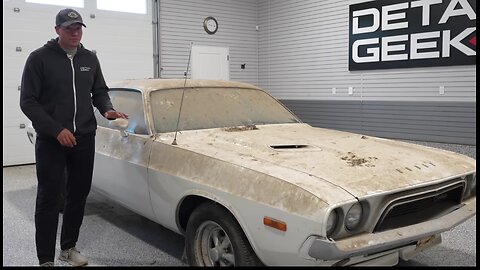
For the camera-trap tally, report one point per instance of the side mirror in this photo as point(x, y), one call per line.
point(121, 124)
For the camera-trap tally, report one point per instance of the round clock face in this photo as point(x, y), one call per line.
point(210, 25)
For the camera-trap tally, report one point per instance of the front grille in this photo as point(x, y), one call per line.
point(418, 209)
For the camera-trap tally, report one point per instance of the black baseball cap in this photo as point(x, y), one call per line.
point(68, 16)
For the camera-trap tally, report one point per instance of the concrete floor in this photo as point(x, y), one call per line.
point(114, 236)
point(110, 234)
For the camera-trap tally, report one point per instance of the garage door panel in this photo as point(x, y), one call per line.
point(17, 148)
point(33, 25)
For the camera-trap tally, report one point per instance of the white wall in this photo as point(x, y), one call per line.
point(123, 43)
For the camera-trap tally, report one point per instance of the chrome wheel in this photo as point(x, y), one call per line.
point(213, 246)
point(213, 237)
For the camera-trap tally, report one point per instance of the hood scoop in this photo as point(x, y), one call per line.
point(288, 146)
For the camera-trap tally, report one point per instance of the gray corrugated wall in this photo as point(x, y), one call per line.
point(303, 57)
point(181, 22)
point(300, 53)
point(453, 122)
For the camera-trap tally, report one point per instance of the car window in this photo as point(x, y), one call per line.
point(205, 108)
point(129, 102)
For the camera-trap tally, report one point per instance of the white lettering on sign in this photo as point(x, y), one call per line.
point(416, 45)
point(451, 11)
point(387, 48)
point(425, 4)
point(422, 45)
point(387, 17)
point(374, 53)
point(366, 12)
point(455, 42)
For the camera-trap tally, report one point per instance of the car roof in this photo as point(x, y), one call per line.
point(147, 85)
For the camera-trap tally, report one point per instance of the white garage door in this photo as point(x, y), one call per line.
point(122, 40)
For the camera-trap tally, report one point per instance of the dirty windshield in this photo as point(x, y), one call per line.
point(205, 108)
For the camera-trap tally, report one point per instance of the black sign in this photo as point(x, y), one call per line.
point(403, 34)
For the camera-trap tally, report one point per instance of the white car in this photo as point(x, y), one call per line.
point(247, 183)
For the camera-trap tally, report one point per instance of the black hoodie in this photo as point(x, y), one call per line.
point(58, 93)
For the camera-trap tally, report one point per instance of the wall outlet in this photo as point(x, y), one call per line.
point(350, 90)
point(334, 90)
point(441, 90)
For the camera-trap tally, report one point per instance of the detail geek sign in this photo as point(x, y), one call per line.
point(403, 34)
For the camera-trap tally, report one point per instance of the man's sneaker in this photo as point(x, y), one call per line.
point(73, 257)
point(47, 264)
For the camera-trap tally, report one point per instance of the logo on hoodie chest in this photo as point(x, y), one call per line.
point(85, 69)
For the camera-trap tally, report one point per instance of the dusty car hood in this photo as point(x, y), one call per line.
point(361, 165)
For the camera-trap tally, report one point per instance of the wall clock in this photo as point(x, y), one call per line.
point(210, 25)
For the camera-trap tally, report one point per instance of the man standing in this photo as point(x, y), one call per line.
point(60, 82)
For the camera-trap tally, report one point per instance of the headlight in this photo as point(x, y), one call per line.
point(332, 222)
point(353, 217)
point(471, 188)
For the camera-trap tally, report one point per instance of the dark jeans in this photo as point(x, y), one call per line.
point(52, 160)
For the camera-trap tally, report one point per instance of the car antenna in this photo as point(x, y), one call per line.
point(183, 94)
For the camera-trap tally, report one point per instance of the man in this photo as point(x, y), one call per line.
point(60, 82)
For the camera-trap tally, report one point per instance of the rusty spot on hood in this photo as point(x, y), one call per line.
point(244, 128)
point(353, 160)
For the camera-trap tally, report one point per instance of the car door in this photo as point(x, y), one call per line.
point(122, 156)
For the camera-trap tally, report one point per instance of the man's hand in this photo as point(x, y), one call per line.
point(112, 115)
point(66, 138)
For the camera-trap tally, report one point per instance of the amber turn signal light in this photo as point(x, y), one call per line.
point(277, 224)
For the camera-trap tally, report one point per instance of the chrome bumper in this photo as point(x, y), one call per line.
point(372, 243)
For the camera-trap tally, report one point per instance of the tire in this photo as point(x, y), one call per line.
point(214, 238)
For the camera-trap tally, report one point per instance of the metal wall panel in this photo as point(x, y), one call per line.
point(450, 122)
point(181, 23)
point(303, 60)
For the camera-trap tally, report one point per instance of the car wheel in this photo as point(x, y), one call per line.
point(214, 238)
